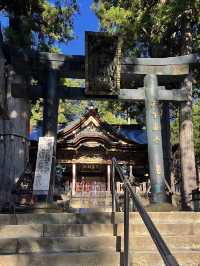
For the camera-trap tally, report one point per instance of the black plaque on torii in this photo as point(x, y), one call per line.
point(102, 63)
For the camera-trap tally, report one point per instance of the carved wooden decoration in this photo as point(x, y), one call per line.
point(102, 69)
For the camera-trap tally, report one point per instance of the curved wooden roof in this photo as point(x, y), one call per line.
point(91, 129)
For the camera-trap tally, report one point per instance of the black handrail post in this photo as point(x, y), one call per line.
point(113, 189)
point(126, 226)
point(163, 249)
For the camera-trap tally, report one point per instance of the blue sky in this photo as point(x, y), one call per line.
point(85, 21)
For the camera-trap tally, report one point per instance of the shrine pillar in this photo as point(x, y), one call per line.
point(51, 103)
point(166, 135)
point(50, 117)
point(73, 178)
point(130, 171)
point(155, 150)
point(108, 176)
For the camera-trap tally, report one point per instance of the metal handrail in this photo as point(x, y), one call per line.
point(163, 249)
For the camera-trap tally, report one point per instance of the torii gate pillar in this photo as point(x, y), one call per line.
point(155, 150)
point(50, 118)
point(51, 103)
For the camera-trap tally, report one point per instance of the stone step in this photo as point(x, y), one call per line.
point(74, 209)
point(93, 194)
point(168, 229)
point(135, 230)
point(97, 217)
point(91, 199)
point(91, 205)
point(179, 242)
point(62, 259)
point(57, 244)
point(93, 243)
point(94, 198)
point(55, 230)
point(184, 258)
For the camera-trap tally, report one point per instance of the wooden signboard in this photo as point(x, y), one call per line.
point(102, 64)
point(43, 166)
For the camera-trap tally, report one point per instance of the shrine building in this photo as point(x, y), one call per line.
point(86, 147)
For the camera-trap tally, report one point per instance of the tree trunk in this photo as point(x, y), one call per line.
point(189, 177)
point(13, 144)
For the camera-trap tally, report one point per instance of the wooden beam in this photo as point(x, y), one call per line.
point(174, 70)
point(173, 95)
point(138, 94)
point(44, 57)
point(68, 66)
point(128, 80)
point(163, 94)
point(36, 92)
point(178, 60)
point(134, 81)
point(73, 93)
point(74, 66)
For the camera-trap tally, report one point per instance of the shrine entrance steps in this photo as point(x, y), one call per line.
point(93, 201)
point(91, 239)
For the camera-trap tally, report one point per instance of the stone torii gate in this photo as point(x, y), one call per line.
point(163, 71)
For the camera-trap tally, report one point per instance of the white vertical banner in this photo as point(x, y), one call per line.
point(43, 166)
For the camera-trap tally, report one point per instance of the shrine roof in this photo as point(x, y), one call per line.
point(133, 133)
point(130, 134)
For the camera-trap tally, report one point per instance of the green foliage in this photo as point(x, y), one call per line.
point(38, 23)
point(36, 112)
point(175, 128)
point(111, 112)
point(70, 110)
point(68, 82)
point(171, 25)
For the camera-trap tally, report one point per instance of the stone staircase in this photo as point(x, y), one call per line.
point(92, 201)
point(94, 239)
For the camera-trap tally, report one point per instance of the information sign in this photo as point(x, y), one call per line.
point(43, 166)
